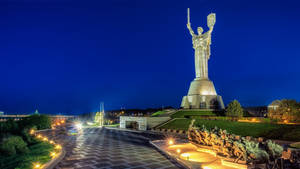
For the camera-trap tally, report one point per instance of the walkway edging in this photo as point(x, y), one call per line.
point(51, 164)
point(169, 155)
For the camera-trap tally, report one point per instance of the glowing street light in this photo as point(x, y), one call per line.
point(178, 150)
point(51, 142)
point(45, 139)
point(78, 126)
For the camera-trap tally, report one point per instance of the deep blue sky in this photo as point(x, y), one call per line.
point(67, 56)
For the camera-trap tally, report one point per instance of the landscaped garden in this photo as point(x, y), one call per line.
point(19, 148)
point(267, 130)
point(251, 126)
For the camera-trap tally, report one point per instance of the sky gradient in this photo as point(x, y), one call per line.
point(63, 56)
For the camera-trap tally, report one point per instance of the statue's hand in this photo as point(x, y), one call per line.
point(188, 25)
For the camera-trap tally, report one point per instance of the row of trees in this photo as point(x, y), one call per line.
point(279, 110)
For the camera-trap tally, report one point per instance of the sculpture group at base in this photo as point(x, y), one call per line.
point(239, 149)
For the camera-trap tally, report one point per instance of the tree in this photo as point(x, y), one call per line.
point(40, 121)
point(286, 109)
point(234, 109)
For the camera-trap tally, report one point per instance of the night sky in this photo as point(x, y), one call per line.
point(63, 56)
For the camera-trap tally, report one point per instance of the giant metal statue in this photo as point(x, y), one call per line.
point(201, 44)
point(202, 93)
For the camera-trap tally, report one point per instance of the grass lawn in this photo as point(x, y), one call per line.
point(267, 130)
point(38, 153)
point(295, 145)
point(112, 125)
point(158, 113)
point(185, 113)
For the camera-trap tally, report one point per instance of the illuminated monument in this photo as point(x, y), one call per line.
point(202, 93)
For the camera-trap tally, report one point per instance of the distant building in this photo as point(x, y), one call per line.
point(36, 112)
point(1, 113)
point(274, 105)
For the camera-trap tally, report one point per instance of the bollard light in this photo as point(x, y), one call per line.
point(57, 146)
point(37, 165)
point(52, 154)
point(31, 131)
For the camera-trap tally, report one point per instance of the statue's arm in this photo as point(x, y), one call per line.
point(210, 29)
point(190, 29)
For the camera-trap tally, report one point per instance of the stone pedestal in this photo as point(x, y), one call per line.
point(202, 95)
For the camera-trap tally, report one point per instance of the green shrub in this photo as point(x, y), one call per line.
point(37, 152)
point(13, 145)
point(27, 137)
point(234, 109)
point(10, 126)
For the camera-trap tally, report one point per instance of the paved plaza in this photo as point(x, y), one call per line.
point(108, 148)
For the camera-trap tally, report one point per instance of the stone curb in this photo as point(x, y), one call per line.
point(42, 130)
point(52, 163)
point(170, 156)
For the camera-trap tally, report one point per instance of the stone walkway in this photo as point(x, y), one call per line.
point(104, 148)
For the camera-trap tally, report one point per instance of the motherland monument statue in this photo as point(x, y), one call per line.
point(202, 93)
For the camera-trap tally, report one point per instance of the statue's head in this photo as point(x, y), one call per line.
point(200, 30)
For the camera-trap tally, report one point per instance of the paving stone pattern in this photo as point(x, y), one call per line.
point(104, 148)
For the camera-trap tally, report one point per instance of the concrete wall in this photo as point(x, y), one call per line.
point(144, 123)
point(154, 121)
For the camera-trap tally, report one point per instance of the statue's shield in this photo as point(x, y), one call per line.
point(211, 20)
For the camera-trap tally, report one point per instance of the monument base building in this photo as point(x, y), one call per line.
point(202, 95)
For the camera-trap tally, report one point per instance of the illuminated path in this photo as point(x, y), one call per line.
point(104, 148)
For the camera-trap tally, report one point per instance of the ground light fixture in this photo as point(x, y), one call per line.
point(170, 141)
point(186, 155)
point(32, 132)
point(57, 146)
point(37, 165)
point(52, 154)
